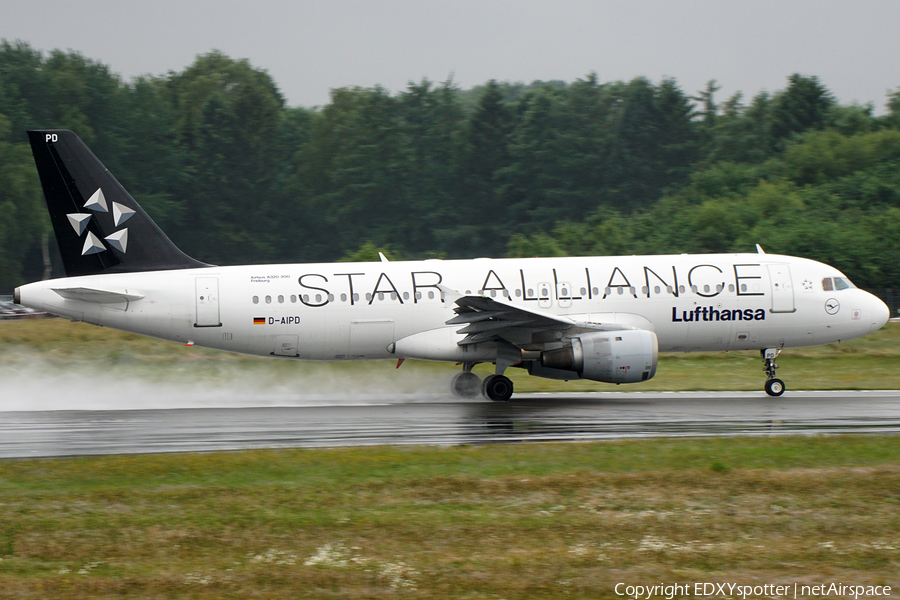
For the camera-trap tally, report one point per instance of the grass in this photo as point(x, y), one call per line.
point(870, 362)
point(512, 521)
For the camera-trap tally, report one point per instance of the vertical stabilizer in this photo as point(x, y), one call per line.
point(99, 227)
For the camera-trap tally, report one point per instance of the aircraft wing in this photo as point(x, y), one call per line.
point(490, 320)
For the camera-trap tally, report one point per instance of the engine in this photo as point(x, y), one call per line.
point(613, 357)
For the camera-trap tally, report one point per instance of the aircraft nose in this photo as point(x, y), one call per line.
point(880, 313)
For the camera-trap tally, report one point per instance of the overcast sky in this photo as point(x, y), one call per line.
point(310, 47)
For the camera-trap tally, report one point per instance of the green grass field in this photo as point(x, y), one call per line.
point(506, 521)
point(509, 521)
point(870, 362)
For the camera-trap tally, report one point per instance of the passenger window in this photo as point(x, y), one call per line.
point(255, 299)
point(431, 295)
point(280, 299)
point(826, 284)
point(268, 299)
point(343, 297)
point(293, 299)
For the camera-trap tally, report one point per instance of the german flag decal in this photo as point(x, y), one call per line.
point(259, 320)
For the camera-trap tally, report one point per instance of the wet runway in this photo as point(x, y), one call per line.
point(435, 420)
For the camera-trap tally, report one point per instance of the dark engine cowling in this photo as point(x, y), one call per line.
point(612, 357)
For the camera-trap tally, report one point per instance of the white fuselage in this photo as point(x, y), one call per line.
point(348, 311)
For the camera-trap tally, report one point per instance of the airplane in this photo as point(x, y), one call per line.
point(602, 319)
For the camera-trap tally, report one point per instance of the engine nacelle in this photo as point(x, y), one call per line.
point(626, 356)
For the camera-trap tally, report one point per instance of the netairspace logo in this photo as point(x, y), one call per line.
point(733, 590)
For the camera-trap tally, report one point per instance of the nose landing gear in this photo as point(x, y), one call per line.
point(774, 386)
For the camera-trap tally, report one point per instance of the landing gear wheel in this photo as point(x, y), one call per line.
point(465, 385)
point(774, 387)
point(497, 387)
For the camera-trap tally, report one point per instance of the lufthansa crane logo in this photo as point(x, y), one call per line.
point(832, 306)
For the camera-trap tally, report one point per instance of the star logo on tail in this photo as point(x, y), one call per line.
point(97, 203)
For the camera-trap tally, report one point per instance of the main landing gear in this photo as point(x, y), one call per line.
point(774, 386)
point(497, 387)
point(468, 385)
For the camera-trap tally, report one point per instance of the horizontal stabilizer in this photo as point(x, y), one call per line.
point(99, 296)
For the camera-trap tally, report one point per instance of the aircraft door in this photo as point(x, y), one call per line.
point(207, 297)
point(286, 345)
point(564, 294)
point(782, 289)
point(544, 298)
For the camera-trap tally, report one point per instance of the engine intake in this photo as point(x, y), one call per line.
point(613, 357)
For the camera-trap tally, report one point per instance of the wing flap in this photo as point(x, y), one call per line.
point(474, 318)
point(482, 326)
point(489, 320)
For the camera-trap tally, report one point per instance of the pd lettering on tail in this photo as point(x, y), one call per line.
point(51, 137)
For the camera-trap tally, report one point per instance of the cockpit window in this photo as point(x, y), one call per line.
point(839, 283)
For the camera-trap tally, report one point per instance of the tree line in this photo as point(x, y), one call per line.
point(235, 176)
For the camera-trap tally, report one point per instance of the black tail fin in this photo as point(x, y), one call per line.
point(98, 225)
